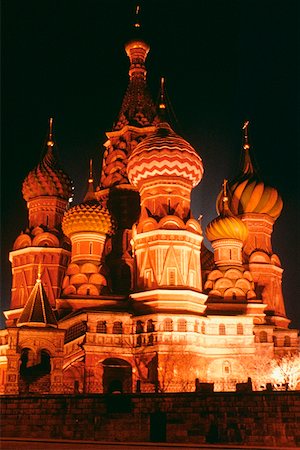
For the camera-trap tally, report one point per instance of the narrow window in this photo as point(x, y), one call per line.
point(239, 328)
point(222, 330)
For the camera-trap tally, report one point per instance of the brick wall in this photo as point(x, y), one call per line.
point(262, 418)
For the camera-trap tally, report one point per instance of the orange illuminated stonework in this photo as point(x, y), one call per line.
point(119, 292)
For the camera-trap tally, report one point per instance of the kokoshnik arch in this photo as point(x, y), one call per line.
point(119, 293)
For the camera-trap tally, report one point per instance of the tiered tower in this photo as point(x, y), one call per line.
point(47, 190)
point(167, 239)
point(136, 120)
point(258, 206)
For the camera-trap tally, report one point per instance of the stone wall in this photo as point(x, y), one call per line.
point(262, 418)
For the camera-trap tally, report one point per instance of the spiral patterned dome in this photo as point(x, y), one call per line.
point(88, 216)
point(229, 227)
point(164, 154)
point(47, 179)
point(249, 194)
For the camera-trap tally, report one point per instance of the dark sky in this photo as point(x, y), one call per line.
point(224, 62)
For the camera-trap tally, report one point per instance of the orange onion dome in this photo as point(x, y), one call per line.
point(88, 216)
point(164, 154)
point(229, 227)
point(226, 226)
point(47, 179)
point(249, 194)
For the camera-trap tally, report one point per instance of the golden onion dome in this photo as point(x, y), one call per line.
point(88, 217)
point(164, 154)
point(226, 226)
point(249, 194)
point(47, 179)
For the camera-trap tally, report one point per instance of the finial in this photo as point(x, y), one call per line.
point(162, 102)
point(245, 128)
point(225, 198)
point(90, 195)
point(39, 274)
point(137, 21)
point(50, 142)
point(91, 179)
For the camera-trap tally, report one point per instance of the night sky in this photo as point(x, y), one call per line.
point(224, 62)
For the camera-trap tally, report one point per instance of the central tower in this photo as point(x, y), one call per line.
point(167, 239)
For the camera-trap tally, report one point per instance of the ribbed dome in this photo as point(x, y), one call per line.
point(164, 154)
point(226, 226)
point(88, 216)
point(249, 194)
point(47, 179)
point(229, 227)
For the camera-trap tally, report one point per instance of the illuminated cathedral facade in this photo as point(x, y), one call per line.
point(119, 293)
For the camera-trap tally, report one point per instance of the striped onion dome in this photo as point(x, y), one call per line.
point(249, 194)
point(226, 225)
point(164, 154)
point(88, 216)
point(47, 179)
point(227, 228)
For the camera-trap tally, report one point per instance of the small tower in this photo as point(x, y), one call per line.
point(87, 225)
point(47, 190)
point(258, 206)
point(229, 286)
point(35, 354)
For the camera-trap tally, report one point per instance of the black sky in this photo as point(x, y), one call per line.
point(224, 62)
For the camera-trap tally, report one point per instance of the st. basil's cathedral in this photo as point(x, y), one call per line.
point(119, 293)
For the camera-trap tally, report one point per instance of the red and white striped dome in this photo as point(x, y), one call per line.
point(164, 154)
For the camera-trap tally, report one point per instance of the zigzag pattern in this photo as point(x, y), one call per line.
point(164, 156)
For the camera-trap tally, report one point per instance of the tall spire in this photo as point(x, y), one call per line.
point(137, 108)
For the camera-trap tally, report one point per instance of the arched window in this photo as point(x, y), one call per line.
point(139, 327)
point(203, 328)
point(168, 325)
point(150, 326)
point(196, 326)
point(226, 368)
point(263, 336)
point(101, 327)
point(240, 328)
point(117, 328)
point(91, 248)
point(222, 329)
point(287, 341)
point(181, 325)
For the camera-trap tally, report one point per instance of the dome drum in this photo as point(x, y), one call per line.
point(227, 252)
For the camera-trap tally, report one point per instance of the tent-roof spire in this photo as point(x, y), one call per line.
point(37, 311)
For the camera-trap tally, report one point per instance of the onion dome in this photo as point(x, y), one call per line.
point(164, 154)
point(248, 193)
point(88, 216)
point(226, 226)
point(47, 179)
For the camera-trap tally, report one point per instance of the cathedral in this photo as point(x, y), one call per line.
point(119, 293)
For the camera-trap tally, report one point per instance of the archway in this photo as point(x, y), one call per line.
point(117, 376)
